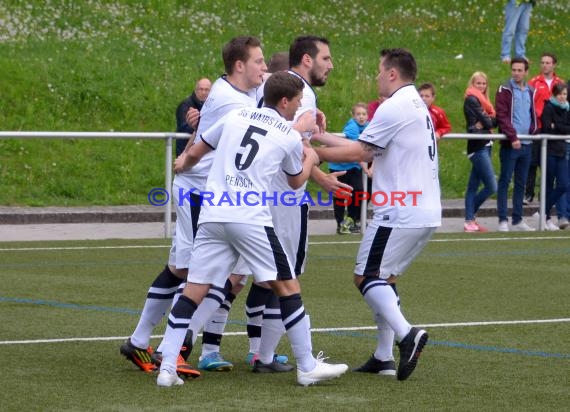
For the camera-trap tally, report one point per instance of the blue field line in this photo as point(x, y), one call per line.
point(68, 305)
point(482, 348)
point(61, 305)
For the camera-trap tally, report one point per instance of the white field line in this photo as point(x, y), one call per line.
point(315, 330)
point(477, 239)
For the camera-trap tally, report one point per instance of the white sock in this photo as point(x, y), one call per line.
point(385, 339)
point(383, 301)
point(271, 331)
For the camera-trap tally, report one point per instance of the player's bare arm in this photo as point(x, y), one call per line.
point(305, 122)
point(353, 152)
point(329, 139)
point(310, 160)
point(191, 156)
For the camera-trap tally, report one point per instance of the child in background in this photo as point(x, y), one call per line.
point(438, 117)
point(353, 177)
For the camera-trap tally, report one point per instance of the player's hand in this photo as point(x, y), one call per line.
point(321, 121)
point(179, 163)
point(331, 183)
point(305, 123)
point(516, 144)
point(192, 117)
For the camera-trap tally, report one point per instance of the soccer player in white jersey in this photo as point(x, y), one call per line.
point(407, 208)
point(251, 145)
point(245, 66)
point(310, 60)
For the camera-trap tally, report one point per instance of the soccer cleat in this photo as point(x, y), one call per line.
point(563, 223)
point(214, 362)
point(252, 357)
point(322, 372)
point(373, 365)
point(138, 356)
point(182, 367)
point(166, 379)
point(410, 350)
point(273, 367)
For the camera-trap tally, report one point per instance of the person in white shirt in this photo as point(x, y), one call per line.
point(251, 145)
point(400, 141)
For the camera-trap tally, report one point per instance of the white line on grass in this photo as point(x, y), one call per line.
point(317, 330)
point(350, 242)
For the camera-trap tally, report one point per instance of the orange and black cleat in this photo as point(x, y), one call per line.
point(138, 356)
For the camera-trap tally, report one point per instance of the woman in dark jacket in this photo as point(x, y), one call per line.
point(556, 120)
point(480, 119)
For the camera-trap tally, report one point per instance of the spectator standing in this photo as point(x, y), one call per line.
point(480, 118)
point(373, 105)
point(439, 119)
point(351, 222)
point(543, 84)
point(195, 100)
point(556, 120)
point(517, 24)
point(514, 103)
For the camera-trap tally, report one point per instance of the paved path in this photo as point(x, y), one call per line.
point(141, 222)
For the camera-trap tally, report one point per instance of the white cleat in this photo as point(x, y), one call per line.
point(166, 379)
point(322, 372)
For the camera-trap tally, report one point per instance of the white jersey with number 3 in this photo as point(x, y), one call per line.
point(252, 146)
point(405, 184)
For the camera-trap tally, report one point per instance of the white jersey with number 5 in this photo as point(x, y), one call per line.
point(251, 147)
point(405, 183)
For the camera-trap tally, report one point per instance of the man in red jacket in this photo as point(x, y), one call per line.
point(439, 119)
point(543, 84)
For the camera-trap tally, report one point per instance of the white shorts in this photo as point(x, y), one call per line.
point(185, 230)
point(386, 251)
point(218, 246)
point(290, 224)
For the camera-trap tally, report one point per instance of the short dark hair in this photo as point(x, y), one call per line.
point(558, 88)
point(401, 60)
point(427, 86)
point(238, 49)
point(304, 45)
point(279, 61)
point(520, 60)
point(279, 85)
point(551, 55)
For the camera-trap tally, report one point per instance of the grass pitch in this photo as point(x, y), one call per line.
point(495, 306)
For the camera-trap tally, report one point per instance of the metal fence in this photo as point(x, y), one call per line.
point(167, 137)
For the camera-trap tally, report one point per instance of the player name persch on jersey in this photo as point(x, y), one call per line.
point(239, 181)
point(266, 120)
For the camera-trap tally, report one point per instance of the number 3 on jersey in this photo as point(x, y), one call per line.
point(250, 147)
point(432, 147)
